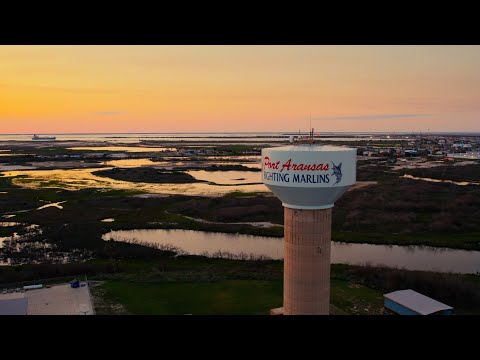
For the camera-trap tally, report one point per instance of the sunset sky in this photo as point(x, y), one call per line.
point(88, 89)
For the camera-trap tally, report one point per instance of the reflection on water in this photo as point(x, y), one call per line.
point(408, 257)
point(9, 155)
point(74, 179)
point(9, 224)
point(461, 183)
point(30, 249)
point(134, 163)
point(15, 167)
point(57, 205)
point(199, 242)
point(108, 220)
point(227, 177)
point(10, 242)
point(123, 148)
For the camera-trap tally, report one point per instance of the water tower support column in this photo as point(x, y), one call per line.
point(307, 261)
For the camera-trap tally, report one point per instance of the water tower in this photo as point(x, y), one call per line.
point(308, 179)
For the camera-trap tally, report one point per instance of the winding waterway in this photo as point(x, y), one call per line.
point(408, 257)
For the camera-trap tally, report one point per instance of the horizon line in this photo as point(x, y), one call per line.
point(249, 132)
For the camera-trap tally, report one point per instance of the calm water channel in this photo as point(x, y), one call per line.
point(408, 257)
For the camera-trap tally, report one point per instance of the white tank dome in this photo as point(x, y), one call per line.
point(309, 176)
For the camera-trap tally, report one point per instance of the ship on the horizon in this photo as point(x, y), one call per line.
point(36, 137)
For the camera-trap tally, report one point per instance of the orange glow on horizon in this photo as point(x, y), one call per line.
point(88, 89)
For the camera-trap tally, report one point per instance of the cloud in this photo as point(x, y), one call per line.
point(109, 112)
point(372, 117)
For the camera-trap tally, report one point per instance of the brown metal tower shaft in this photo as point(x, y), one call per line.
point(307, 261)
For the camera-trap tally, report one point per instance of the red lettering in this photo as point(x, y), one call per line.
point(296, 167)
point(267, 163)
point(286, 165)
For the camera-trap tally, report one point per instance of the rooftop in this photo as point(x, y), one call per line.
point(417, 302)
point(55, 300)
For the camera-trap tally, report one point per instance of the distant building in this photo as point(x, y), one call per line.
point(409, 302)
point(466, 155)
point(58, 299)
point(410, 152)
point(463, 146)
point(16, 304)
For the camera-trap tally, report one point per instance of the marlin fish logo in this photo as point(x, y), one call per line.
point(337, 171)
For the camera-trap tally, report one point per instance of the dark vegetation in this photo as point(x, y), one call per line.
point(448, 172)
point(395, 211)
point(8, 231)
point(232, 209)
point(78, 225)
point(373, 170)
point(459, 291)
point(239, 149)
point(148, 175)
point(193, 276)
point(225, 168)
point(408, 212)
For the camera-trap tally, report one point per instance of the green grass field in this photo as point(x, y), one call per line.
point(228, 297)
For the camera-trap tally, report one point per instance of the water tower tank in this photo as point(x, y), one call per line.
point(309, 176)
point(308, 179)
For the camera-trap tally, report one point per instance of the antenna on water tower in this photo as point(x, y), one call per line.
point(311, 132)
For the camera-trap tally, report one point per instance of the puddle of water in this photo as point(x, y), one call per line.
point(123, 148)
point(461, 183)
point(126, 163)
point(227, 177)
point(10, 240)
point(7, 239)
point(8, 224)
point(57, 205)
